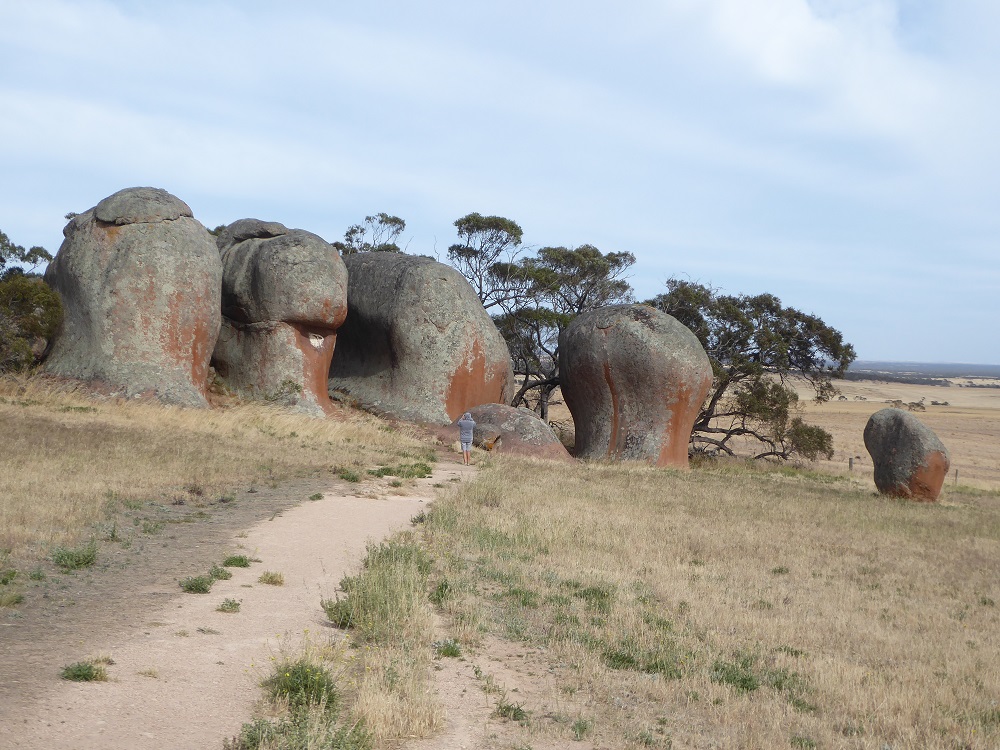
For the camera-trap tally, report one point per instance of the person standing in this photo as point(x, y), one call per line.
point(465, 427)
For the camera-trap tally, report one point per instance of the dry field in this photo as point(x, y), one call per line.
point(969, 426)
point(723, 607)
point(70, 461)
point(730, 606)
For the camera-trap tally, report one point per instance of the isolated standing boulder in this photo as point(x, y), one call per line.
point(634, 379)
point(140, 282)
point(910, 461)
point(284, 295)
point(518, 432)
point(417, 343)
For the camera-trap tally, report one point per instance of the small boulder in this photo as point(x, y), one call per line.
point(517, 432)
point(910, 461)
point(417, 344)
point(284, 295)
point(634, 379)
point(140, 282)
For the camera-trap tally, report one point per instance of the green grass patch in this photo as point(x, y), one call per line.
point(75, 558)
point(237, 561)
point(229, 606)
point(382, 598)
point(509, 710)
point(301, 683)
point(197, 584)
point(219, 573)
point(447, 648)
point(349, 475)
point(417, 470)
point(85, 671)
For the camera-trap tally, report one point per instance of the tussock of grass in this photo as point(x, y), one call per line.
point(306, 710)
point(418, 470)
point(197, 584)
point(271, 578)
point(85, 671)
point(75, 558)
point(652, 584)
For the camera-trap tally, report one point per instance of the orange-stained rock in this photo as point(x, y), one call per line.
point(634, 379)
point(284, 295)
point(140, 282)
point(417, 344)
point(910, 461)
point(517, 432)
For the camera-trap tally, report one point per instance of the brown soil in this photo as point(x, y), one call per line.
point(184, 674)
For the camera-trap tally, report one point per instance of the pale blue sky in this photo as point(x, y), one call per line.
point(841, 154)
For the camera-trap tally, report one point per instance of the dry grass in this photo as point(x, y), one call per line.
point(731, 606)
point(389, 619)
point(69, 461)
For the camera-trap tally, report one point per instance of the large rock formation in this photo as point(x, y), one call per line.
point(634, 379)
point(284, 295)
point(910, 461)
point(417, 343)
point(140, 281)
point(518, 432)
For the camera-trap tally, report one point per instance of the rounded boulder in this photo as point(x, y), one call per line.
point(140, 280)
point(284, 295)
point(634, 379)
point(909, 459)
point(417, 344)
point(520, 432)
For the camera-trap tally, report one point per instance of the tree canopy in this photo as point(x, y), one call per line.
point(539, 295)
point(32, 257)
point(30, 312)
point(486, 257)
point(376, 234)
point(756, 344)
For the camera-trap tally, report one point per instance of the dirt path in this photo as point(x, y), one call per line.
point(184, 674)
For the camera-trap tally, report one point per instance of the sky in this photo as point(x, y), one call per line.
point(843, 155)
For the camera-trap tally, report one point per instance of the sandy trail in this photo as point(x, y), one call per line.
point(190, 675)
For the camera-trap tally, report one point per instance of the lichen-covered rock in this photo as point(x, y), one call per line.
point(517, 432)
point(284, 295)
point(910, 461)
point(634, 379)
point(140, 281)
point(417, 343)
